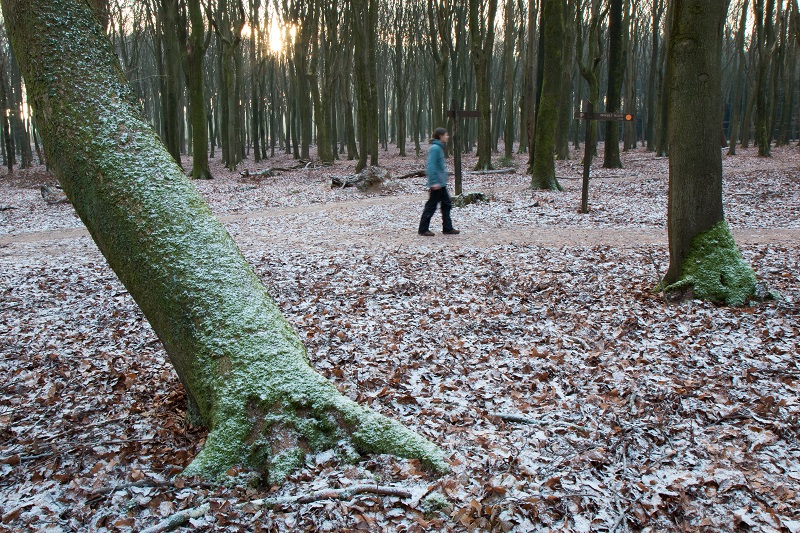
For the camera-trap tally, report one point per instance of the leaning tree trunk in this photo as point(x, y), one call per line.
point(543, 169)
point(703, 255)
point(238, 358)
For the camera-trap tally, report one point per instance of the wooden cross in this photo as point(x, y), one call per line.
point(588, 115)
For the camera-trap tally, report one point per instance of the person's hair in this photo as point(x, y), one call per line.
point(437, 134)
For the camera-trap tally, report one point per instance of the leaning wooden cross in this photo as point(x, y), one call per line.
point(588, 114)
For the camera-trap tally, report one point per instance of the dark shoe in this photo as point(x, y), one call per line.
point(427, 233)
point(451, 232)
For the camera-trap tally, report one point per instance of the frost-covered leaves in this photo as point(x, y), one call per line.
point(630, 412)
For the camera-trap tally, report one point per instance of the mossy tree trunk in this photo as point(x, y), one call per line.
point(544, 166)
point(240, 361)
point(702, 253)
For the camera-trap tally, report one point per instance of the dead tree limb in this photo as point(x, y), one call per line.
point(416, 174)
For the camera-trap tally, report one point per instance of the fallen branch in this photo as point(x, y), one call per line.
point(500, 171)
point(519, 419)
point(178, 519)
point(266, 173)
point(416, 174)
point(334, 494)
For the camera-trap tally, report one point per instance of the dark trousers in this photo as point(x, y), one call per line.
point(436, 197)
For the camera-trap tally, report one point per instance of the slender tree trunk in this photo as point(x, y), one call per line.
point(482, 38)
point(764, 36)
point(590, 69)
point(616, 68)
point(740, 81)
point(702, 252)
point(565, 117)
point(8, 147)
point(527, 123)
point(194, 49)
point(22, 141)
point(256, 67)
point(508, 80)
point(650, 131)
point(241, 363)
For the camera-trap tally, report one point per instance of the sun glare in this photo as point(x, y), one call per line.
point(275, 38)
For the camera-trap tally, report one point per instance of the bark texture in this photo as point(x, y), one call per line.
point(240, 361)
point(544, 166)
point(697, 230)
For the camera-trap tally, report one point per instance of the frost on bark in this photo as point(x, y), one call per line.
point(239, 360)
point(703, 254)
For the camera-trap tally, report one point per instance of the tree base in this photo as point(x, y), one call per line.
point(269, 421)
point(714, 270)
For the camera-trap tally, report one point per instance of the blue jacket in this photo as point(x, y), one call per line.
point(437, 174)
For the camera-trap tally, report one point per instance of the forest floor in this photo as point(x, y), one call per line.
point(636, 413)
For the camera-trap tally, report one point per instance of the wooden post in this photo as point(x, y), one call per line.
point(587, 156)
point(456, 150)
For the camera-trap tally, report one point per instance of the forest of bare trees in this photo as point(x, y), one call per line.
point(249, 78)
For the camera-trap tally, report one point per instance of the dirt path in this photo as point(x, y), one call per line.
point(248, 232)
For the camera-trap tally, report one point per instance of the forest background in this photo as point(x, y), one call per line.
point(693, 432)
point(353, 77)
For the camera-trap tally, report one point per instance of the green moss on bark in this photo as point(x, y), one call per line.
point(714, 269)
point(238, 358)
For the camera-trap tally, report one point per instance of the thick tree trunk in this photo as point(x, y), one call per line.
point(702, 252)
point(544, 165)
point(238, 358)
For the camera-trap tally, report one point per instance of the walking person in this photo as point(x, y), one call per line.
point(437, 186)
